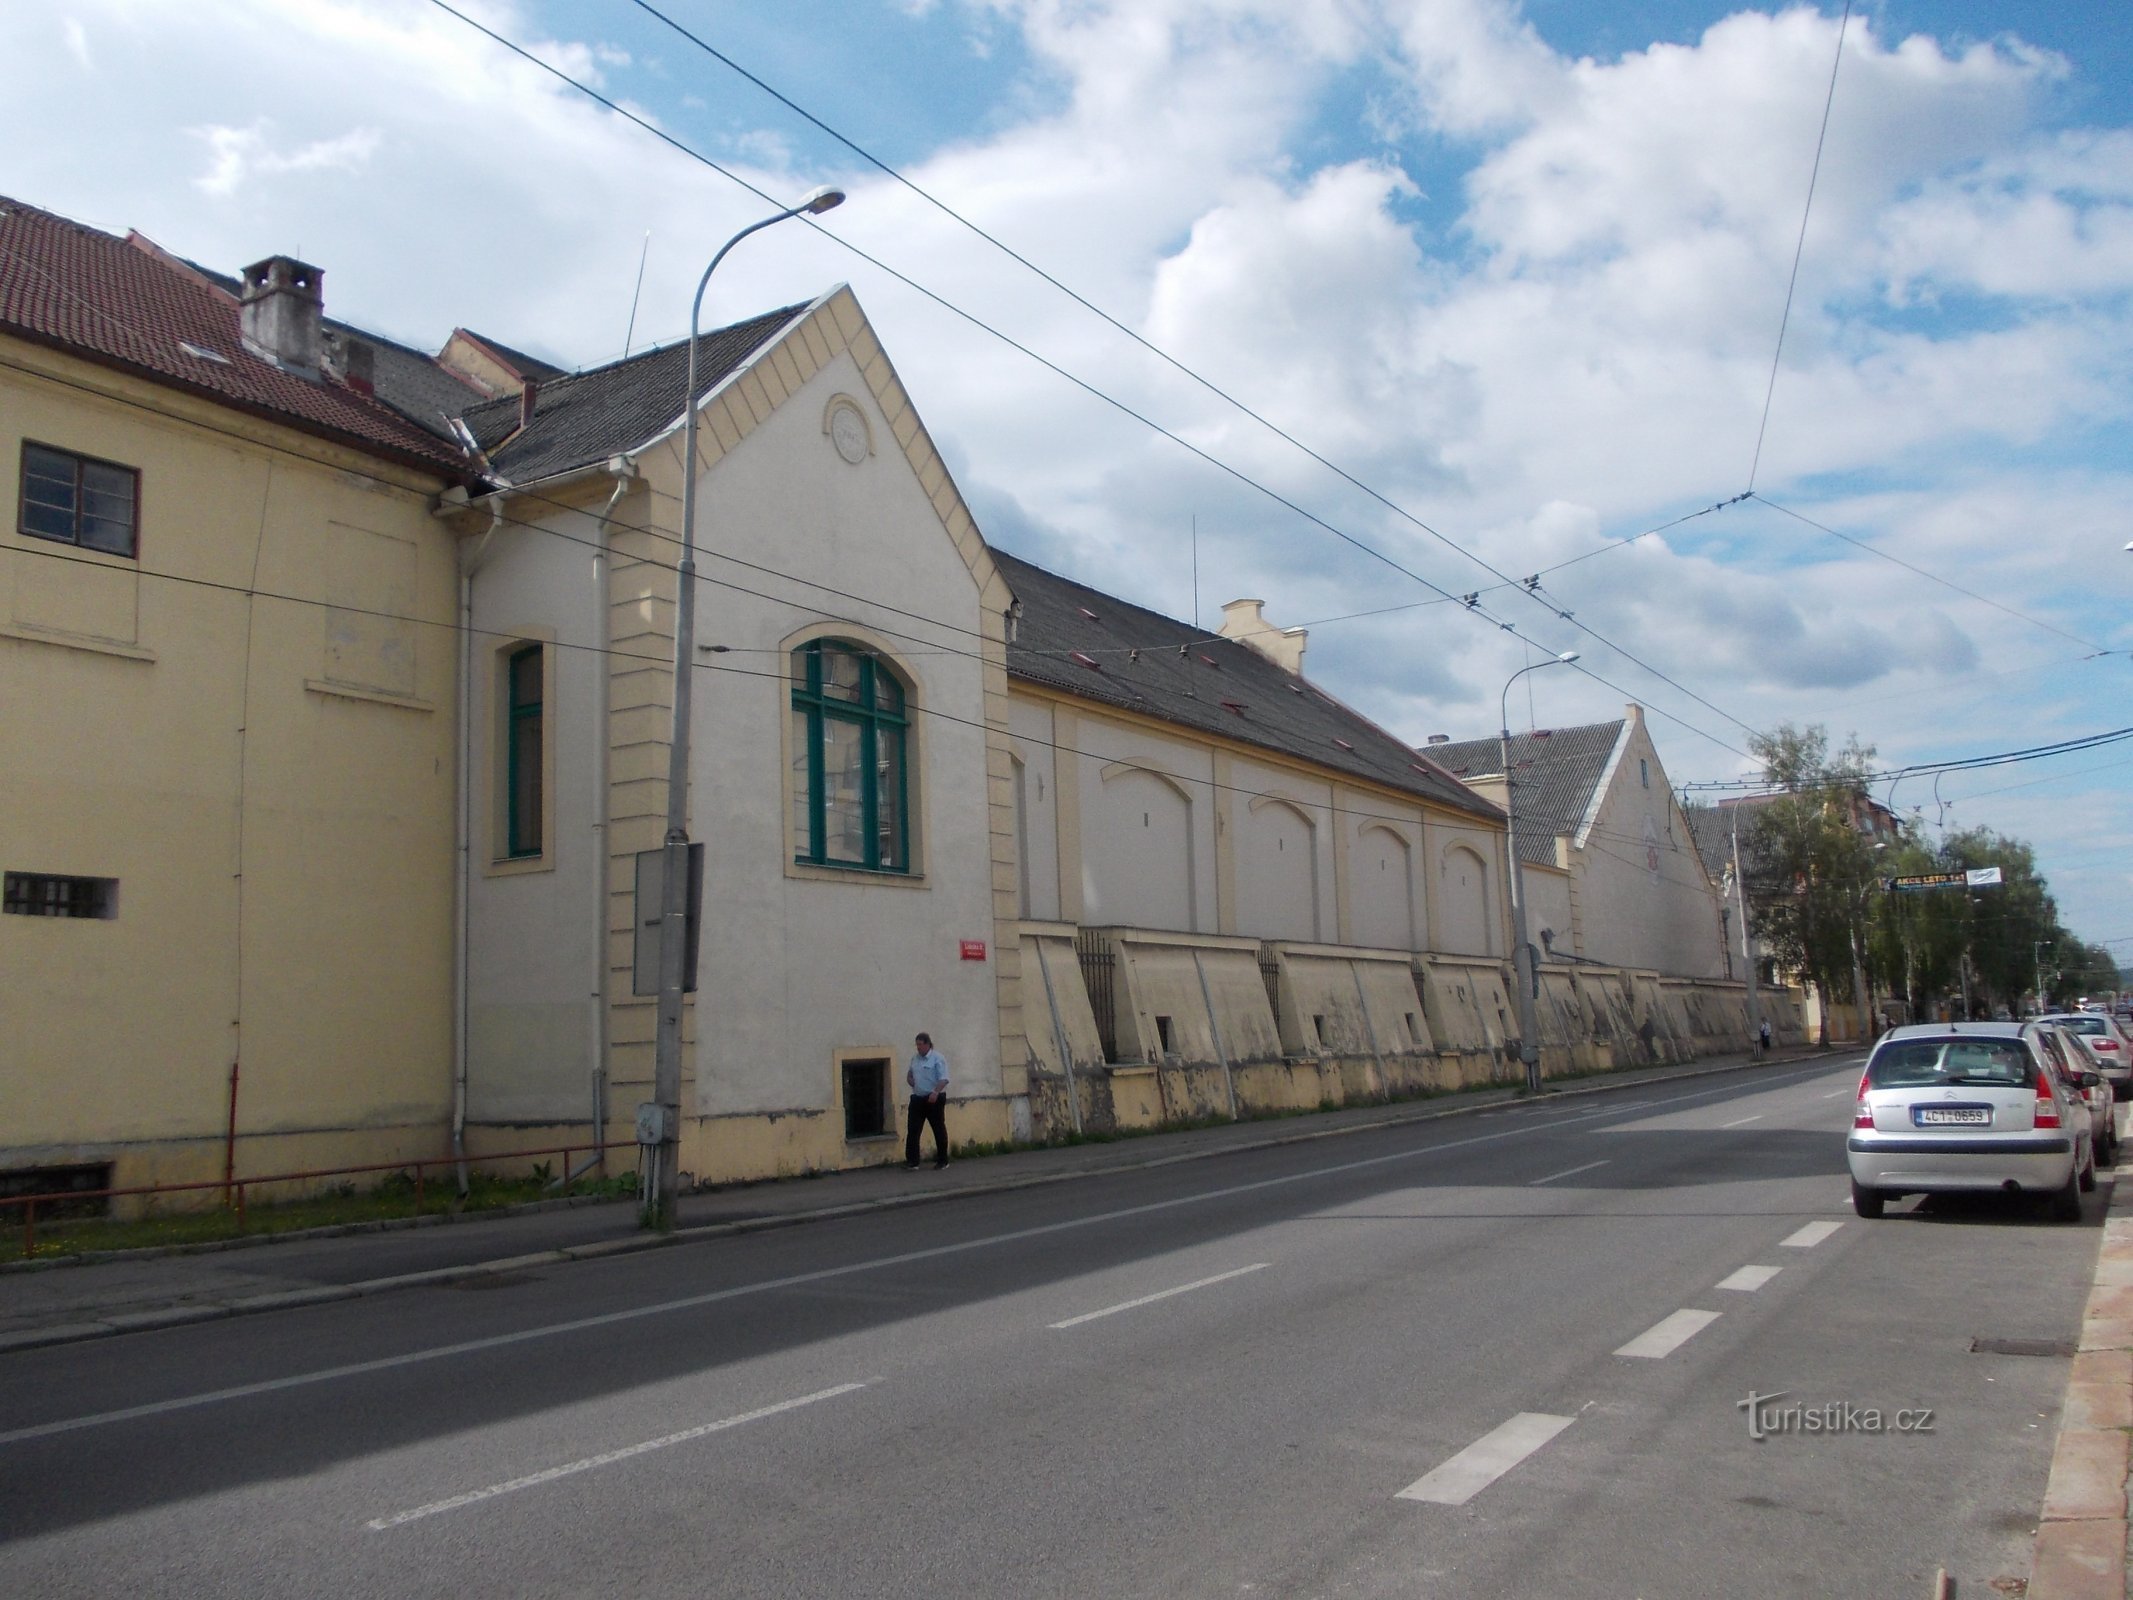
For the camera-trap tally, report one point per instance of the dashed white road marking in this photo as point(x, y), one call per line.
point(1741, 1122)
point(605, 1459)
point(1485, 1460)
point(1835, 1092)
point(628, 1314)
point(1570, 1173)
point(1749, 1279)
point(1667, 1335)
point(1161, 1294)
point(1810, 1236)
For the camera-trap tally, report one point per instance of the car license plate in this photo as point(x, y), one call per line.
point(1944, 1116)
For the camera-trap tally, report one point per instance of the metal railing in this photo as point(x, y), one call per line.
point(1099, 967)
point(234, 1188)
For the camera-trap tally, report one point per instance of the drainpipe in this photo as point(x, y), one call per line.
point(1214, 1024)
point(471, 561)
point(624, 471)
point(1059, 1036)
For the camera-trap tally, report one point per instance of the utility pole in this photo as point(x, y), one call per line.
point(1747, 947)
point(662, 1116)
point(1522, 968)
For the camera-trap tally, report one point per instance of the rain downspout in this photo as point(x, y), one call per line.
point(624, 471)
point(471, 560)
point(1214, 1025)
point(1059, 1035)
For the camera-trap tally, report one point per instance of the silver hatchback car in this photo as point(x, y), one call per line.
point(1970, 1107)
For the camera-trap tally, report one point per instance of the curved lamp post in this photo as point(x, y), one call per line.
point(1527, 978)
point(673, 902)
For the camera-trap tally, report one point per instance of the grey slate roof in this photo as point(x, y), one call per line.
point(1554, 773)
point(589, 416)
point(528, 366)
point(1216, 685)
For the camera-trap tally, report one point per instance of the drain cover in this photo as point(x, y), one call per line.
point(2021, 1347)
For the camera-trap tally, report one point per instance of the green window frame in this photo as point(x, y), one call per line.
point(524, 759)
point(851, 772)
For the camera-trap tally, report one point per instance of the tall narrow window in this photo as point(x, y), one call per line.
point(94, 504)
point(851, 789)
point(523, 757)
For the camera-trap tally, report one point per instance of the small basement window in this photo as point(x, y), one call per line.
point(1166, 1036)
point(78, 1179)
point(51, 894)
point(866, 1098)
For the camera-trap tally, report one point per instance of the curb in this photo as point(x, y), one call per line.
point(289, 1299)
point(2080, 1550)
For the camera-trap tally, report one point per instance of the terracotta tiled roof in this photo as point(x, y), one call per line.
point(108, 300)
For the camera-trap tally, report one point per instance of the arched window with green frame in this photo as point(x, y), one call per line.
point(850, 773)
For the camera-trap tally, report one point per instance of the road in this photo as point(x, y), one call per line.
point(1491, 1356)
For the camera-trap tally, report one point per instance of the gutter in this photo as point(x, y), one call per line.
point(472, 558)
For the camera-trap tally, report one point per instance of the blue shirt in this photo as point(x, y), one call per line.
point(928, 1073)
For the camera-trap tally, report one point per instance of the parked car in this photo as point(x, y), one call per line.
point(2108, 1042)
point(1971, 1107)
point(2082, 1067)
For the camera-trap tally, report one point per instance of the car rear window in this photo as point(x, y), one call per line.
point(1918, 1062)
point(2095, 1025)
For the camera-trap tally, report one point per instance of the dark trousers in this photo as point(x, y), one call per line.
point(927, 1111)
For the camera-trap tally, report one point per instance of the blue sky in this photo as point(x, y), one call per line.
point(1518, 267)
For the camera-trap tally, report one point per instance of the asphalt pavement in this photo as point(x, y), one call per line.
point(1473, 1347)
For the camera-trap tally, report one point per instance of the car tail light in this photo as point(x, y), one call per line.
point(2047, 1107)
point(2103, 1044)
point(1862, 1113)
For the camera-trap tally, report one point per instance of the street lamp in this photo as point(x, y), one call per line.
point(673, 897)
point(1523, 972)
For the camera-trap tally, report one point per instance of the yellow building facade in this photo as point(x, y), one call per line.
point(227, 744)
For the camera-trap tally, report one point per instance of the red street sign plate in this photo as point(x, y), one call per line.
point(973, 949)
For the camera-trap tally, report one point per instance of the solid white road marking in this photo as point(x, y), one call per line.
point(1811, 1235)
point(1573, 1172)
point(604, 1459)
point(1485, 1460)
point(1835, 1092)
point(604, 1319)
point(1749, 1279)
point(1741, 1122)
point(1161, 1294)
point(1667, 1335)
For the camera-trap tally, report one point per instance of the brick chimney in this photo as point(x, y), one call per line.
point(281, 309)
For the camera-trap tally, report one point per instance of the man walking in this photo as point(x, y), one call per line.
point(928, 1077)
point(1763, 1040)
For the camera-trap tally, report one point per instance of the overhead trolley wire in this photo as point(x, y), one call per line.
point(1468, 601)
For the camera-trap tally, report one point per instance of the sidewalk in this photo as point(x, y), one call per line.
point(2080, 1551)
point(87, 1297)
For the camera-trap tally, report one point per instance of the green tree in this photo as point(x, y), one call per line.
point(1813, 878)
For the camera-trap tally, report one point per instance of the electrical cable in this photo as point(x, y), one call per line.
point(1800, 246)
point(1469, 601)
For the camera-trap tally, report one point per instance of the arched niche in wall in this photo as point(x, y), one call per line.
point(1382, 888)
point(1465, 903)
point(1137, 850)
point(1277, 870)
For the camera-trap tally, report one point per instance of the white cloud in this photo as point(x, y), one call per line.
point(1582, 352)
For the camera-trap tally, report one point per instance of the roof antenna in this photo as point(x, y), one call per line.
point(1196, 572)
point(638, 295)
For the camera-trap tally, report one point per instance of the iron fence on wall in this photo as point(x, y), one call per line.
point(1099, 971)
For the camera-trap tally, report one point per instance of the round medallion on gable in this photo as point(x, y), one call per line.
point(848, 432)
